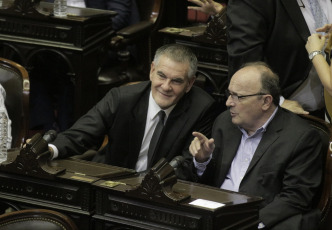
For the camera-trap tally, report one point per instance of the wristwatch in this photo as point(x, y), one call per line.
point(314, 53)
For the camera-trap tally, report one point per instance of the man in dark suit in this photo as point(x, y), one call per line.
point(128, 115)
point(260, 149)
point(276, 31)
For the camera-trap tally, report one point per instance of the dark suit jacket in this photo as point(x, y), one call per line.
point(121, 114)
point(273, 31)
point(285, 170)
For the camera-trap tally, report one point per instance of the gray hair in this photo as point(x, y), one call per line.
point(178, 53)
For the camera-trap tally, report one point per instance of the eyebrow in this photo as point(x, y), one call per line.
point(173, 79)
point(161, 73)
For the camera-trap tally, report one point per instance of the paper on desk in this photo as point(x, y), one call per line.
point(206, 204)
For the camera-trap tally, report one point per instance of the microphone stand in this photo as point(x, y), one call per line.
point(157, 185)
point(32, 160)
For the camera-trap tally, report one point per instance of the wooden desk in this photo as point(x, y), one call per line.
point(101, 197)
point(70, 192)
point(115, 208)
point(79, 40)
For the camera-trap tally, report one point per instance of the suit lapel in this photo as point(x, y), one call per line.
point(137, 124)
point(294, 12)
point(269, 137)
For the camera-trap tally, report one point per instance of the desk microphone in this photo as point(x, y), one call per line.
point(50, 136)
point(176, 161)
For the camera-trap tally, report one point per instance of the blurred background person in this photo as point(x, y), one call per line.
point(275, 32)
point(315, 47)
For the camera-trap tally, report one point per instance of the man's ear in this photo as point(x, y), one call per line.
point(152, 69)
point(267, 102)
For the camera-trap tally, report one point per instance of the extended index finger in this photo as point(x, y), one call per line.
point(201, 137)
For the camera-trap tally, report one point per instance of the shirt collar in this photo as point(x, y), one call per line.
point(263, 127)
point(154, 109)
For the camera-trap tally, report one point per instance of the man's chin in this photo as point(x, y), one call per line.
point(164, 105)
point(235, 121)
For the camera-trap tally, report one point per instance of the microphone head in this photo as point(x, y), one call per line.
point(50, 136)
point(177, 161)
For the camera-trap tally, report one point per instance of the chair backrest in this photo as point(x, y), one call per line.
point(324, 200)
point(36, 219)
point(15, 80)
point(148, 9)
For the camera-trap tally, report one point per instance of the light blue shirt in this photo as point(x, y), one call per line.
point(242, 158)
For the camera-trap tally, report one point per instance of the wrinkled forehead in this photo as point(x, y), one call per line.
point(168, 65)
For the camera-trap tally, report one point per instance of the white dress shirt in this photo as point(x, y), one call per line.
point(152, 120)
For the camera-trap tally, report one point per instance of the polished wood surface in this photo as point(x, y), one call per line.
point(115, 205)
point(97, 196)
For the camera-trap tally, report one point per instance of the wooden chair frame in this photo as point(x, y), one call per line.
point(20, 129)
point(28, 216)
point(325, 199)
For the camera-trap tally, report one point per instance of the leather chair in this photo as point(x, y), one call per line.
point(324, 199)
point(137, 35)
point(15, 80)
point(36, 219)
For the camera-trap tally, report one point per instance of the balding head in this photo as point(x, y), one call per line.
point(269, 80)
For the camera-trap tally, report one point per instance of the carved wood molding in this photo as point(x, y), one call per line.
point(157, 185)
point(215, 32)
point(32, 160)
point(25, 7)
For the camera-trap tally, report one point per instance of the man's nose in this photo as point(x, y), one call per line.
point(229, 101)
point(166, 85)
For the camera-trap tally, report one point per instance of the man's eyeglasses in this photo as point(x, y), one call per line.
point(236, 97)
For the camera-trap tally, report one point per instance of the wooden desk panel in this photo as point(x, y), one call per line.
point(80, 39)
point(102, 204)
point(115, 208)
point(70, 192)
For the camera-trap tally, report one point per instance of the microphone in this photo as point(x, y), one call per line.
point(50, 136)
point(177, 161)
point(38, 144)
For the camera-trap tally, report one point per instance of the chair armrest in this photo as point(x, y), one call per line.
point(130, 34)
